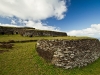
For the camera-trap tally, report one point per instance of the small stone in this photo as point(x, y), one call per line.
point(72, 54)
point(68, 67)
point(61, 54)
point(58, 49)
point(88, 51)
point(96, 57)
point(58, 65)
point(65, 52)
point(55, 55)
point(38, 44)
point(65, 59)
point(55, 52)
point(68, 47)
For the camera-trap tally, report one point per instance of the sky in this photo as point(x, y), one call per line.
point(75, 17)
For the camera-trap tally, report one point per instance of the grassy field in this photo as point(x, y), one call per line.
point(24, 60)
point(20, 38)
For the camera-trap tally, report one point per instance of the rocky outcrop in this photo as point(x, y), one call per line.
point(69, 53)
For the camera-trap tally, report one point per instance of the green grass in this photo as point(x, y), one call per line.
point(20, 38)
point(24, 60)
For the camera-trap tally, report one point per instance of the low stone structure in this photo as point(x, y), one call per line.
point(12, 30)
point(30, 32)
point(69, 53)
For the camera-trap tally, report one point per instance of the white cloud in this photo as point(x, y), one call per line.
point(40, 25)
point(37, 25)
point(33, 9)
point(13, 22)
point(93, 31)
point(31, 12)
point(10, 25)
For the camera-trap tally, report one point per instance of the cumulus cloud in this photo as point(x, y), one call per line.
point(40, 25)
point(33, 10)
point(93, 31)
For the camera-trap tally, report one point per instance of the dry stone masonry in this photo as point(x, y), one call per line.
point(13, 30)
point(69, 53)
point(30, 32)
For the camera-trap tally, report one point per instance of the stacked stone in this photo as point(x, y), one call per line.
point(30, 32)
point(43, 33)
point(69, 53)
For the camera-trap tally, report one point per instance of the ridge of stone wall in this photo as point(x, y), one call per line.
point(69, 53)
point(30, 32)
point(11, 30)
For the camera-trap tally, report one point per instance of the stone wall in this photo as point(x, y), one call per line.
point(4, 30)
point(11, 30)
point(69, 53)
point(30, 32)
